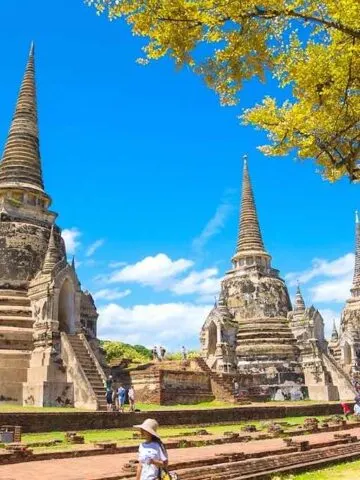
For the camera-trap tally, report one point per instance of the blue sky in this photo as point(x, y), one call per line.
point(144, 164)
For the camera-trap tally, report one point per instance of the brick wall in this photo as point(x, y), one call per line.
point(47, 422)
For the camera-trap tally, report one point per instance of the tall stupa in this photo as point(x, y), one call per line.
point(248, 331)
point(49, 354)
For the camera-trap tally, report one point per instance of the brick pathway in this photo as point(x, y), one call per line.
point(106, 466)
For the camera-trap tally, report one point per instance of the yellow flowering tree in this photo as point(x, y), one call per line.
point(311, 47)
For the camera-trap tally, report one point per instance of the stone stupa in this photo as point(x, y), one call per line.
point(249, 332)
point(49, 354)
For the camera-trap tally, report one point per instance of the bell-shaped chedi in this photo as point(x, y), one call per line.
point(258, 301)
point(46, 321)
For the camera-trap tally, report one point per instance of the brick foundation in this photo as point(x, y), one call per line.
point(48, 422)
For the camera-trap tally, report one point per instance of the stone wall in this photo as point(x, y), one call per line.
point(256, 297)
point(184, 387)
point(71, 421)
point(169, 387)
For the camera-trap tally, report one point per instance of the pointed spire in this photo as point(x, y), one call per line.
point(356, 279)
point(249, 236)
point(73, 263)
point(299, 301)
point(20, 164)
point(334, 335)
point(52, 256)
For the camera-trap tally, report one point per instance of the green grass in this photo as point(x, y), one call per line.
point(344, 471)
point(125, 436)
point(10, 408)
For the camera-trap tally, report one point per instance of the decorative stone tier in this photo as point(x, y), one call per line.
point(23, 247)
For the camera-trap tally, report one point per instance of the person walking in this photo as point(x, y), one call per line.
point(131, 397)
point(121, 397)
point(155, 353)
point(357, 409)
point(109, 399)
point(152, 452)
point(162, 352)
point(109, 382)
point(183, 353)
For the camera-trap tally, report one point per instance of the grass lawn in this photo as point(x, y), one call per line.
point(344, 471)
point(124, 436)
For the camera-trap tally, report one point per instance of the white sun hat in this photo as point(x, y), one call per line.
point(149, 425)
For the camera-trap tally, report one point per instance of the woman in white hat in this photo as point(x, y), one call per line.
point(152, 452)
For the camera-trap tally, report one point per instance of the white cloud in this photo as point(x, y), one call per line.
point(337, 290)
point(111, 294)
point(216, 223)
point(93, 247)
point(336, 268)
point(333, 282)
point(71, 236)
point(172, 324)
point(204, 283)
point(151, 271)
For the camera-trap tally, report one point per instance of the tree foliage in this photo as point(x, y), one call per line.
point(310, 46)
point(118, 351)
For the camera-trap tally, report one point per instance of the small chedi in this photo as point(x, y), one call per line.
point(49, 354)
point(254, 334)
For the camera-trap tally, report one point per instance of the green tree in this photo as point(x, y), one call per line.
point(310, 46)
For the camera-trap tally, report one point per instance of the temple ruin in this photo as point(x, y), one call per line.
point(255, 334)
point(49, 353)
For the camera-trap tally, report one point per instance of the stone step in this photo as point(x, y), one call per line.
point(16, 321)
point(260, 340)
point(14, 300)
point(15, 344)
point(22, 310)
point(267, 335)
point(5, 292)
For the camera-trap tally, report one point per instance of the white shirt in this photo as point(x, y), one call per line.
point(147, 451)
point(357, 409)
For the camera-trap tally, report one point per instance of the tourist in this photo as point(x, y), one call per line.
point(346, 409)
point(357, 409)
point(109, 382)
point(183, 353)
point(155, 353)
point(162, 352)
point(121, 398)
point(131, 397)
point(152, 452)
point(115, 403)
point(109, 399)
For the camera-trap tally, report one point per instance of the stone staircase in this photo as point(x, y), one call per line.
point(266, 338)
point(339, 377)
point(222, 385)
point(90, 369)
point(16, 342)
point(15, 320)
